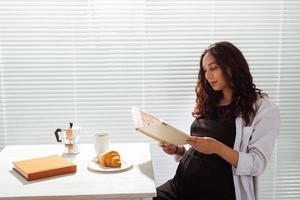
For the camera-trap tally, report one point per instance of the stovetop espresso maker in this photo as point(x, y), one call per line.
point(70, 138)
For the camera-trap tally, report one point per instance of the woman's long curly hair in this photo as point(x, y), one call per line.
point(236, 72)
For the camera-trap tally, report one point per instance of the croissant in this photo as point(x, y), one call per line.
point(110, 159)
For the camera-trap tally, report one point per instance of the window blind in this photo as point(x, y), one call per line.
point(89, 61)
point(288, 159)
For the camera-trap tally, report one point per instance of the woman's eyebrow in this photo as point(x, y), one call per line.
point(212, 63)
point(209, 64)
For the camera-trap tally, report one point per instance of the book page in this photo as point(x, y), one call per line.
point(155, 128)
point(148, 119)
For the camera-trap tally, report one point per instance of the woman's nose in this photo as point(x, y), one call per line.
point(208, 75)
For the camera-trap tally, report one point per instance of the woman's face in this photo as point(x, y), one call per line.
point(213, 73)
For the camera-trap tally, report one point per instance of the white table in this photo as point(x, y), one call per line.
point(134, 183)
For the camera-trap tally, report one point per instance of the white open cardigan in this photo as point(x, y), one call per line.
point(255, 144)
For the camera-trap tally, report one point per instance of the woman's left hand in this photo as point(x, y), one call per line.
point(206, 145)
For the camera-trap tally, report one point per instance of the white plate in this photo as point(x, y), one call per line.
point(99, 167)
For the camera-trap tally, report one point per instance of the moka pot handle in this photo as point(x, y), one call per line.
point(56, 134)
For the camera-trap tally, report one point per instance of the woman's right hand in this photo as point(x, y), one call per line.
point(168, 148)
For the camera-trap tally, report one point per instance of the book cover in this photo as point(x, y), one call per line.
point(43, 167)
point(155, 128)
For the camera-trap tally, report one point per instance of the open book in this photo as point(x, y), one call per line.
point(157, 129)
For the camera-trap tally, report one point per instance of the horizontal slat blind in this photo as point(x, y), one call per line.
point(288, 159)
point(71, 61)
point(90, 61)
point(2, 107)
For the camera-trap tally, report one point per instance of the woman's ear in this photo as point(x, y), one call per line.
point(229, 73)
point(229, 76)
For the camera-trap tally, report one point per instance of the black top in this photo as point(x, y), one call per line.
point(208, 176)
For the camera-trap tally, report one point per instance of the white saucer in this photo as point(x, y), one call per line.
point(99, 167)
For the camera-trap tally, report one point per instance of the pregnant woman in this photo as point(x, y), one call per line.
point(232, 136)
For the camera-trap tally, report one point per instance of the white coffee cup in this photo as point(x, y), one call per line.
point(101, 143)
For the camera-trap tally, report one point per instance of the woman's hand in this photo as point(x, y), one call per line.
point(209, 145)
point(206, 145)
point(168, 148)
point(172, 149)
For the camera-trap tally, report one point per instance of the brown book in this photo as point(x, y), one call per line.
point(43, 167)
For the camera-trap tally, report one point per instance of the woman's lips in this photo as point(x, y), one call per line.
point(213, 83)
